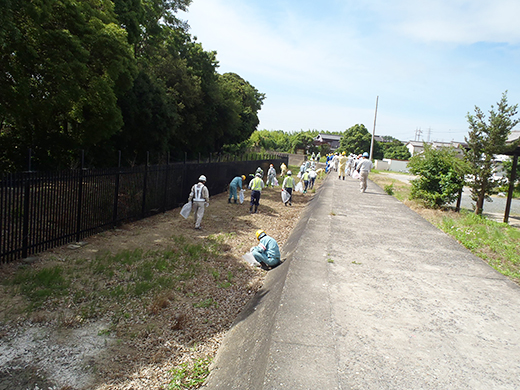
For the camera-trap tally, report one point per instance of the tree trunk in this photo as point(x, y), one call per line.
point(479, 207)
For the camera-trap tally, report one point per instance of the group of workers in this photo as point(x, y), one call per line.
point(356, 166)
point(267, 252)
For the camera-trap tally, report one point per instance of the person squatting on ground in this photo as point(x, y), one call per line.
point(234, 187)
point(199, 195)
point(305, 178)
point(364, 167)
point(288, 185)
point(342, 165)
point(267, 252)
point(312, 178)
point(256, 186)
point(271, 176)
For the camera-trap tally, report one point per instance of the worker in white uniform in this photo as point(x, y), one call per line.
point(199, 195)
point(364, 167)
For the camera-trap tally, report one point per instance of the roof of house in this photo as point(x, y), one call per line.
point(327, 137)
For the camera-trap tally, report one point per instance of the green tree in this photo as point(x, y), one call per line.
point(441, 176)
point(301, 140)
point(487, 137)
point(395, 149)
point(357, 139)
point(63, 65)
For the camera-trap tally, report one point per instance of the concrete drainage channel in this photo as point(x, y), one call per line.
point(242, 358)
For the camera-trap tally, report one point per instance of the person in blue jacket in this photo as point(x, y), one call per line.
point(266, 252)
point(234, 186)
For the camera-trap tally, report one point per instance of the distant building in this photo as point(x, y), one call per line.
point(331, 139)
point(417, 147)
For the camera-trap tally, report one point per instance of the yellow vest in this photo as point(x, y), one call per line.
point(256, 185)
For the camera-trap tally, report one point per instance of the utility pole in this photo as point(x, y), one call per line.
point(373, 131)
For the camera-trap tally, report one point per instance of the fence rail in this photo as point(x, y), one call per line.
point(42, 210)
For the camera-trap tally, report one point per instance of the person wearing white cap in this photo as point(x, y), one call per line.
point(364, 167)
point(199, 195)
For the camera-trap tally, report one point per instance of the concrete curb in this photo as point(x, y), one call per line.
point(242, 358)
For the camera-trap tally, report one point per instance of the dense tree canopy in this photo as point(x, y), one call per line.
point(357, 139)
point(108, 75)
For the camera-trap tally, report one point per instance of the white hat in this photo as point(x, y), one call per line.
point(202, 178)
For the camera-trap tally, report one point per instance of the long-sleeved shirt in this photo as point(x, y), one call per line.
point(256, 184)
point(365, 165)
point(236, 182)
point(288, 182)
point(199, 193)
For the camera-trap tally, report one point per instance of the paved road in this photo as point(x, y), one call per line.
point(372, 296)
point(494, 209)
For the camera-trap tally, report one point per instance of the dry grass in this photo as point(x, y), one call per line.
point(164, 327)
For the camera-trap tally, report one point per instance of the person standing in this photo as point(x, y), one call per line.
point(256, 186)
point(312, 178)
point(199, 195)
point(234, 186)
point(260, 171)
point(342, 166)
point(364, 167)
point(288, 185)
point(271, 176)
point(305, 179)
point(283, 169)
point(267, 252)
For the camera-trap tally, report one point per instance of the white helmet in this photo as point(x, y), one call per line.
point(202, 178)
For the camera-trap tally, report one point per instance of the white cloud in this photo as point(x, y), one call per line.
point(459, 21)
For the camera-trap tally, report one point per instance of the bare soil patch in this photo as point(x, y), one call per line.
point(74, 342)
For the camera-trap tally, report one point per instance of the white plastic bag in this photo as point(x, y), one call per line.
point(299, 187)
point(186, 210)
point(241, 196)
point(275, 182)
point(251, 259)
point(356, 175)
point(285, 196)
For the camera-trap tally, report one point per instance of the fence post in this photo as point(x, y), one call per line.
point(80, 197)
point(26, 203)
point(116, 190)
point(143, 210)
point(167, 173)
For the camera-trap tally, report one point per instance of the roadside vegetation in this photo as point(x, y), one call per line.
point(496, 243)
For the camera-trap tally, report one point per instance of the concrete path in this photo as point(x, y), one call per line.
point(372, 296)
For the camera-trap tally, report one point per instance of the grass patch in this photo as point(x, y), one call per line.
point(495, 242)
point(189, 375)
point(128, 278)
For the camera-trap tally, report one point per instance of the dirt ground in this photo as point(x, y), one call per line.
point(54, 348)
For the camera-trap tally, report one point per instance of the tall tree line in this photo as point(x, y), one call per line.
point(109, 75)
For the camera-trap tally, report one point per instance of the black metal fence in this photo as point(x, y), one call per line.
point(42, 210)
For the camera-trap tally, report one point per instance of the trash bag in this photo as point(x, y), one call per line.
point(241, 196)
point(285, 196)
point(186, 210)
point(299, 187)
point(275, 182)
point(251, 259)
point(356, 175)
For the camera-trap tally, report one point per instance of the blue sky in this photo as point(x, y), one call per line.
point(322, 63)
